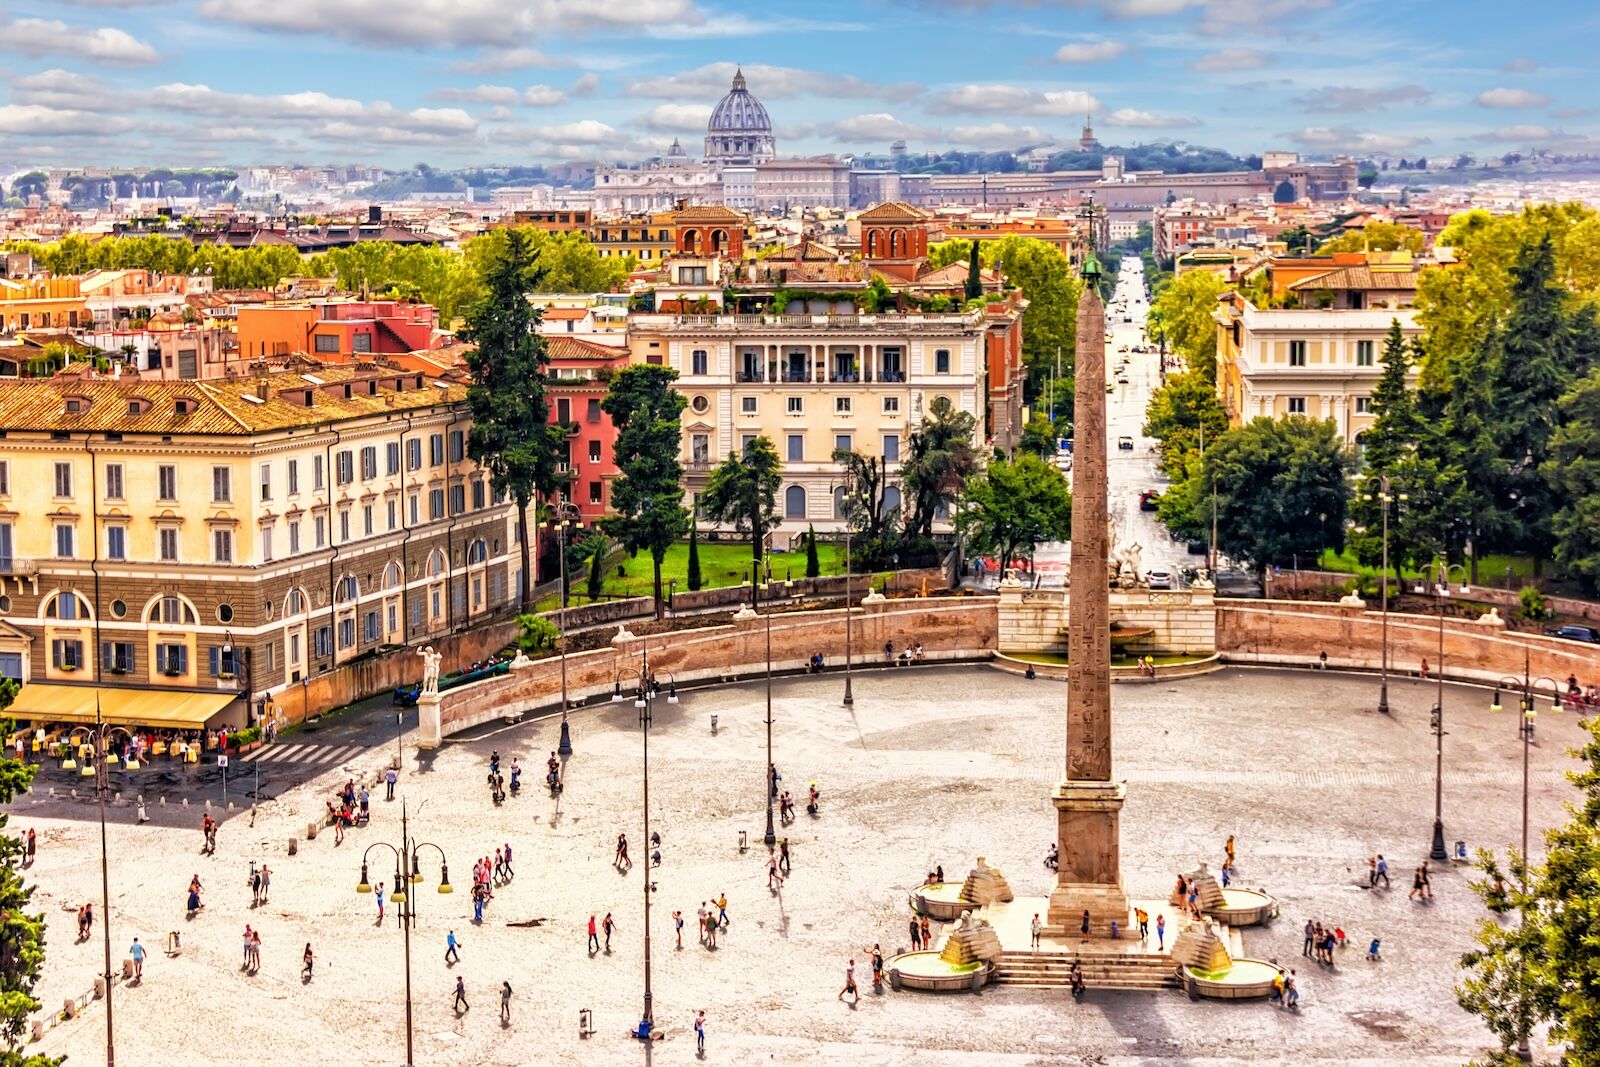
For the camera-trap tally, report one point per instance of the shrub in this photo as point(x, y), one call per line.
point(1534, 604)
point(536, 633)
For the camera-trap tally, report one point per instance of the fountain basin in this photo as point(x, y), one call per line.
point(929, 971)
point(941, 901)
point(1245, 980)
point(1244, 907)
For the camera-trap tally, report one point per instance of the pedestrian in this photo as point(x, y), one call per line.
point(783, 855)
point(499, 866)
point(1035, 926)
point(366, 800)
point(877, 965)
point(1372, 872)
point(1228, 848)
point(266, 882)
point(774, 879)
point(1424, 667)
point(461, 1004)
point(1416, 884)
point(136, 951)
point(307, 960)
point(1161, 933)
point(255, 888)
point(622, 853)
point(722, 910)
point(1383, 870)
point(33, 845)
point(1277, 987)
point(194, 895)
point(255, 950)
point(702, 922)
point(451, 945)
point(850, 983)
point(1427, 882)
point(377, 891)
point(1143, 918)
point(1291, 992)
point(247, 934)
point(594, 939)
point(509, 872)
point(1310, 932)
point(505, 1002)
point(927, 932)
point(389, 779)
point(677, 925)
point(1226, 875)
point(1083, 924)
point(700, 1031)
point(711, 930)
point(610, 926)
point(916, 934)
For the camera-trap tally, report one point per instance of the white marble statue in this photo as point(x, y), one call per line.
point(430, 671)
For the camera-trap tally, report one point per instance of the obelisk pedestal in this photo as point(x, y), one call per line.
point(1088, 802)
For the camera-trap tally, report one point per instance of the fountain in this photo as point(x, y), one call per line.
point(1210, 970)
point(945, 901)
point(965, 962)
point(1232, 907)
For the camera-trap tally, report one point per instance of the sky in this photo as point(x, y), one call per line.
point(466, 82)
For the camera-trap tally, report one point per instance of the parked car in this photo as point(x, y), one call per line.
point(1576, 633)
point(1158, 579)
point(1125, 443)
point(1232, 582)
point(1149, 499)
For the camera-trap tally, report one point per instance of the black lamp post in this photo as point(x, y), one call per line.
point(1383, 684)
point(643, 694)
point(1442, 571)
point(569, 515)
point(102, 785)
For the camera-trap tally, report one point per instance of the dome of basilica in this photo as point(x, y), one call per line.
point(740, 130)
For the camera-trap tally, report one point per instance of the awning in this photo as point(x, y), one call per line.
point(168, 709)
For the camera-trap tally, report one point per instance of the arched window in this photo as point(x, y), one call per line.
point(346, 589)
point(719, 239)
point(391, 575)
point(170, 610)
point(67, 607)
point(477, 551)
point(295, 603)
point(891, 500)
point(838, 502)
point(794, 502)
point(436, 564)
point(689, 240)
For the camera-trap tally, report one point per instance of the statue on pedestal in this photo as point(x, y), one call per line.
point(430, 671)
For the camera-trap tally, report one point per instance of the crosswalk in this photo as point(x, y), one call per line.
point(318, 755)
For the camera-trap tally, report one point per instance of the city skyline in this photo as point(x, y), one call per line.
point(134, 82)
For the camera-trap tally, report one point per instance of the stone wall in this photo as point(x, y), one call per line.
point(947, 629)
point(1507, 600)
point(1035, 620)
point(1296, 631)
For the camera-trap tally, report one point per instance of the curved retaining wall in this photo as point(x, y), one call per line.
point(947, 628)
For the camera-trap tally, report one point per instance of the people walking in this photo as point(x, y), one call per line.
point(389, 779)
point(1035, 927)
point(700, 1031)
point(510, 874)
point(1383, 871)
point(505, 1002)
point(722, 910)
point(306, 960)
point(1416, 884)
point(461, 1004)
point(1427, 882)
point(610, 926)
point(927, 931)
point(1143, 918)
point(255, 951)
point(136, 951)
point(33, 845)
point(1161, 933)
point(451, 945)
point(1310, 934)
point(774, 879)
point(1372, 872)
point(916, 934)
point(677, 925)
point(877, 965)
point(255, 888)
point(1083, 924)
point(850, 983)
point(266, 882)
point(621, 860)
point(245, 966)
point(594, 940)
point(783, 856)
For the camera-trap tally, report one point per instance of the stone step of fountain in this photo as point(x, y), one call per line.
point(1104, 970)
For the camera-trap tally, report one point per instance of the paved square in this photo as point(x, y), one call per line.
point(933, 766)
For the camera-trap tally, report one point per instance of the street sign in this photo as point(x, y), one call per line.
point(222, 761)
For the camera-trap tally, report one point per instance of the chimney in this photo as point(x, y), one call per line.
point(374, 212)
point(261, 389)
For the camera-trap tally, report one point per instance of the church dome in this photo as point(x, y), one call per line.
point(740, 131)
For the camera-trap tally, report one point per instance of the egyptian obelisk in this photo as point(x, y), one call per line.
point(1088, 803)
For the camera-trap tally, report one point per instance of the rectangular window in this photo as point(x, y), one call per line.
point(266, 544)
point(1297, 405)
point(698, 362)
point(592, 411)
point(842, 442)
point(941, 361)
point(266, 482)
point(166, 482)
point(172, 660)
point(594, 451)
point(458, 499)
point(1363, 405)
point(435, 503)
point(343, 467)
point(393, 517)
point(1363, 353)
point(66, 655)
point(391, 456)
point(414, 509)
point(294, 476)
point(458, 446)
point(596, 493)
point(63, 479)
point(326, 342)
point(891, 405)
point(1297, 353)
point(891, 447)
point(167, 544)
point(564, 411)
point(699, 448)
point(116, 542)
point(321, 530)
point(366, 520)
point(797, 405)
point(361, 342)
point(370, 627)
point(369, 462)
point(344, 525)
point(322, 641)
point(347, 632)
point(221, 485)
point(117, 656)
point(747, 405)
point(294, 538)
point(66, 541)
point(477, 495)
point(435, 449)
point(797, 447)
point(414, 454)
point(114, 488)
point(220, 661)
point(745, 441)
point(841, 405)
point(222, 546)
point(316, 472)
point(294, 648)
point(5, 478)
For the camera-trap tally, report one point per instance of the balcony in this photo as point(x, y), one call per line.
point(570, 427)
point(746, 376)
point(17, 567)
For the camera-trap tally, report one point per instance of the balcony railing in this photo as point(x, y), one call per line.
point(16, 566)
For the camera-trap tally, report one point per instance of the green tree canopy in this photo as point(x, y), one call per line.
point(1573, 474)
point(1376, 236)
point(1014, 505)
point(21, 932)
point(1181, 315)
point(648, 495)
point(1281, 489)
point(742, 492)
point(1180, 413)
point(939, 458)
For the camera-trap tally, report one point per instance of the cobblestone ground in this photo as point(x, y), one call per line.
point(934, 765)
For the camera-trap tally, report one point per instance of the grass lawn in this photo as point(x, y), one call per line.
point(1491, 568)
point(721, 563)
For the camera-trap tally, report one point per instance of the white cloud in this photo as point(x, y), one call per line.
point(584, 131)
point(997, 135)
point(1011, 99)
point(738, 25)
point(481, 94)
point(1132, 117)
point(875, 127)
point(1520, 65)
point(543, 96)
point(765, 82)
point(343, 119)
point(584, 84)
point(1096, 52)
point(1231, 59)
point(33, 120)
point(446, 22)
point(1512, 98)
point(203, 99)
point(501, 60)
point(369, 133)
point(1571, 113)
point(42, 37)
point(1518, 133)
point(1345, 139)
point(1341, 98)
point(62, 89)
point(678, 118)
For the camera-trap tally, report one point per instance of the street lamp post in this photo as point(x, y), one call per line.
point(849, 580)
point(1442, 571)
point(1383, 578)
point(643, 695)
point(568, 515)
point(1528, 687)
point(102, 785)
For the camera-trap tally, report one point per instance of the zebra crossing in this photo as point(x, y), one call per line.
point(316, 755)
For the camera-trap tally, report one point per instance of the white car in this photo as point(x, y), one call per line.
point(1158, 579)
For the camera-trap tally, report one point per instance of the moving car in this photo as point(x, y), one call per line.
point(1231, 581)
point(1576, 633)
point(1125, 443)
point(1158, 579)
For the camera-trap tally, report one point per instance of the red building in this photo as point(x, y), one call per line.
point(580, 373)
point(337, 331)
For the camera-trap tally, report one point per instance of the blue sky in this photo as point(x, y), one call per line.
point(459, 82)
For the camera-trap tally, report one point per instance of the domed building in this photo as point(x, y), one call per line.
point(739, 131)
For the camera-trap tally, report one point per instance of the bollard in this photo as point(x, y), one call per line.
point(38, 1029)
point(311, 831)
point(70, 1008)
point(186, 802)
point(230, 805)
point(162, 802)
point(52, 790)
point(99, 986)
point(208, 807)
point(294, 846)
point(585, 1022)
point(74, 792)
point(118, 799)
point(744, 841)
point(713, 724)
point(127, 969)
point(174, 942)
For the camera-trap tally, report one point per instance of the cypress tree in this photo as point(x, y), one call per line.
point(974, 290)
point(597, 568)
point(813, 566)
point(695, 581)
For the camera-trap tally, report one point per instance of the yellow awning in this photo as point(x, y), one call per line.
point(168, 709)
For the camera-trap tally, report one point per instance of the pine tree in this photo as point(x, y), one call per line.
point(695, 581)
point(647, 496)
point(21, 933)
point(1386, 444)
point(813, 565)
point(1573, 473)
point(974, 290)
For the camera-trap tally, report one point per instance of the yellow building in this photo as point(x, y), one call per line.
point(237, 537)
point(41, 304)
point(648, 238)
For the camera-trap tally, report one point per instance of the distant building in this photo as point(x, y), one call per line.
point(739, 130)
point(337, 331)
point(1087, 141)
point(580, 372)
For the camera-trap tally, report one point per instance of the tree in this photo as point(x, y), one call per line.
point(1180, 414)
point(874, 540)
point(1015, 504)
point(1391, 438)
point(647, 494)
point(21, 933)
point(1375, 236)
point(1459, 436)
point(1280, 488)
point(974, 289)
point(1038, 437)
point(1573, 474)
point(813, 565)
point(1181, 315)
point(694, 580)
point(601, 547)
point(743, 491)
point(511, 437)
point(939, 459)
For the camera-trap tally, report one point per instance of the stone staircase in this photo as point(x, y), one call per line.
point(1101, 970)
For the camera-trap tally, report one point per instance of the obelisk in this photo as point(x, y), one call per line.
point(1088, 803)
